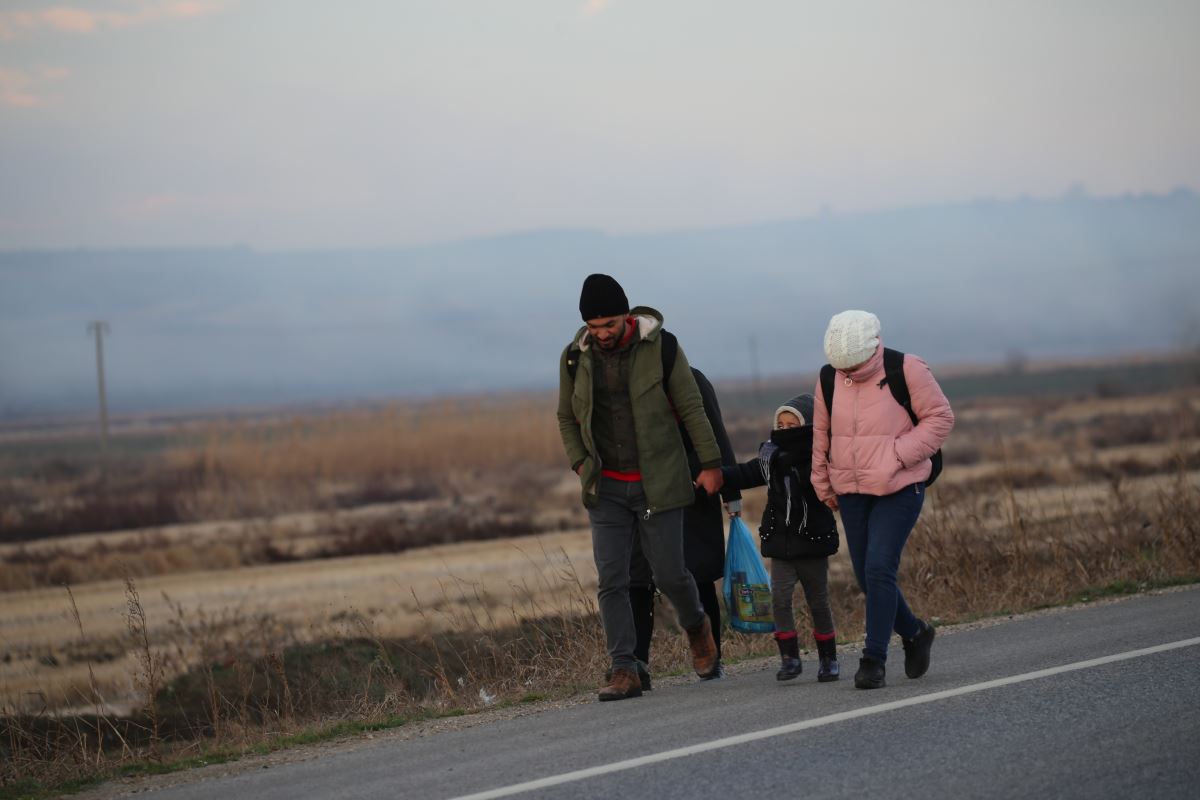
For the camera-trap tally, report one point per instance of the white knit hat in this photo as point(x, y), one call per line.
point(851, 338)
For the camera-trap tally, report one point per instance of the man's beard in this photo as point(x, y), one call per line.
point(613, 341)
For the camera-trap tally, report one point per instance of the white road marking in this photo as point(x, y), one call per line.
point(782, 730)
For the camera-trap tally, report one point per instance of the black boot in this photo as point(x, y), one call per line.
point(789, 655)
point(830, 669)
point(643, 671)
point(916, 651)
point(870, 674)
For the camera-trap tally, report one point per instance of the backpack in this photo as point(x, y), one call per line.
point(893, 376)
point(670, 348)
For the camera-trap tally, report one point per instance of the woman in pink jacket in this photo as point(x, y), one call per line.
point(873, 469)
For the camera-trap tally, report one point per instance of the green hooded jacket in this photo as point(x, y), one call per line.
point(666, 478)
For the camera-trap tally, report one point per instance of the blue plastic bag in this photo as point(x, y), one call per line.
point(747, 584)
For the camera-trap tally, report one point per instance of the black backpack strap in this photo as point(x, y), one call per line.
point(893, 376)
point(828, 373)
point(670, 349)
point(893, 372)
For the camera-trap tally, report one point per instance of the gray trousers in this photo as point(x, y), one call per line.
point(813, 576)
point(619, 516)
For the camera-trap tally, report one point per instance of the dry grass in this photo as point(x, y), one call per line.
point(43, 665)
point(311, 462)
point(477, 633)
point(382, 528)
point(470, 641)
point(319, 486)
point(350, 458)
point(324, 604)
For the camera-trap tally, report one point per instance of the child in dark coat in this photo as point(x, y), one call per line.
point(798, 534)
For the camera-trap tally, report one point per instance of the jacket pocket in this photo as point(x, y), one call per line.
point(587, 481)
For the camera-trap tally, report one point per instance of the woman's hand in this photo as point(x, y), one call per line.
point(832, 503)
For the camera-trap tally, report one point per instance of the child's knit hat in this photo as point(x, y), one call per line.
point(801, 405)
point(851, 338)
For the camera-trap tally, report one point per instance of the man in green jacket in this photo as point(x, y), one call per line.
point(619, 418)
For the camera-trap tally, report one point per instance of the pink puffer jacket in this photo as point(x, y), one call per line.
point(875, 448)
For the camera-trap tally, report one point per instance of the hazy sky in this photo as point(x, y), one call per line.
point(298, 123)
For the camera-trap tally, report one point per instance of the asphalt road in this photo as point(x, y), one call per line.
point(1093, 702)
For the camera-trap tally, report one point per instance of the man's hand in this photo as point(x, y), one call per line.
point(710, 480)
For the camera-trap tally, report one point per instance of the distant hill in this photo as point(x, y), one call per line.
point(985, 281)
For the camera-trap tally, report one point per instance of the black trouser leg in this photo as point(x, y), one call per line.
point(712, 607)
point(641, 600)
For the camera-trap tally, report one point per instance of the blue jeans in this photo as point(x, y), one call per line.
point(617, 518)
point(876, 530)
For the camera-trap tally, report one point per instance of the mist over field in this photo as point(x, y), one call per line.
point(978, 282)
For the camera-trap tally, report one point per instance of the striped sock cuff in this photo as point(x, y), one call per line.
point(824, 637)
point(783, 636)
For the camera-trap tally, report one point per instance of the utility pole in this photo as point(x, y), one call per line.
point(98, 328)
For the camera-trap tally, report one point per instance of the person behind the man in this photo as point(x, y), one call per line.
point(617, 415)
point(703, 542)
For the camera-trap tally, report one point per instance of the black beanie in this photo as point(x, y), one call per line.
point(602, 297)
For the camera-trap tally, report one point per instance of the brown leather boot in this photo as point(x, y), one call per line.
point(623, 683)
point(704, 650)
